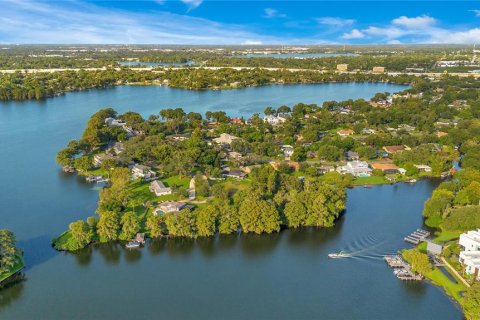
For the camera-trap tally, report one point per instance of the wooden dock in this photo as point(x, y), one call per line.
point(417, 236)
point(401, 269)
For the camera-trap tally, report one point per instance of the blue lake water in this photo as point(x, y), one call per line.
point(296, 55)
point(280, 276)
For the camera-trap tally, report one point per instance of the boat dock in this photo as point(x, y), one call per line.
point(417, 236)
point(401, 269)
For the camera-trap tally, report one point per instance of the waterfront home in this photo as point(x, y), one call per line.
point(356, 168)
point(345, 132)
point(140, 238)
point(143, 172)
point(325, 169)
point(225, 138)
point(470, 256)
point(422, 167)
point(159, 188)
point(112, 122)
point(99, 158)
point(351, 155)
point(287, 151)
point(387, 168)
point(342, 67)
point(169, 206)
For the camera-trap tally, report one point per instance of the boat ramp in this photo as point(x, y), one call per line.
point(417, 236)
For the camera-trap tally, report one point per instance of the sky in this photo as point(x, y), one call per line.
point(208, 22)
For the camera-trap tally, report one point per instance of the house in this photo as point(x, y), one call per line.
point(287, 151)
point(99, 158)
point(422, 167)
point(441, 134)
point(393, 149)
point(434, 248)
point(237, 174)
point(112, 122)
point(170, 206)
point(378, 69)
point(368, 131)
point(236, 121)
point(159, 188)
point(144, 172)
point(342, 67)
point(469, 258)
point(275, 119)
point(351, 155)
point(356, 168)
point(345, 132)
point(387, 168)
point(325, 169)
point(234, 155)
point(225, 138)
point(118, 147)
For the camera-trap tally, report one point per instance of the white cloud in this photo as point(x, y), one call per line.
point(272, 13)
point(192, 4)
point(423, 21)
point(354, 34)
point(387, 32)
point(82, 22)
point(477, 12)
point(251, 43)
point(394, 42)
point(335, 21)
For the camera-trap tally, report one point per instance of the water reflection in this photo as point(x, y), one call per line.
point(12, 290)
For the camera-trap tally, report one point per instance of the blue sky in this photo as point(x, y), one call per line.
point(238, 22)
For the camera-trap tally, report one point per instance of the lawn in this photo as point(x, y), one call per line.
point(369, 180)
point(451, 288)
point(19, 264)
point(445, 236)
point(178, 181)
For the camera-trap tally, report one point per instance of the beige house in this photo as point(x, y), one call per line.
point(378, 69)
point(225, 138)
point(342, 67)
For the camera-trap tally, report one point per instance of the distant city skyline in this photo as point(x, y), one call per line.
point(206, 22)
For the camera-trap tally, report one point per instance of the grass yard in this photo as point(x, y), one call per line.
point(451, 288)
point(177, 181)
point(369, 180)
point(445, 236)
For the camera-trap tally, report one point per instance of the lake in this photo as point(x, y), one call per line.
point(285, 275)
point(296, 55)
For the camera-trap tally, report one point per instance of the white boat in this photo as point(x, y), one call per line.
point(411, 181)
point(340, 254)
point(132, 244)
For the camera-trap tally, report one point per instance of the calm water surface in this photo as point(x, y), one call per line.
point(285, 275)
point(296, 55)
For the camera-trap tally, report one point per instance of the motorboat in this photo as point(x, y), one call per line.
point(340, 254)
point(132, 244)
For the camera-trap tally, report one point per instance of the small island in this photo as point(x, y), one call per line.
point(11, 260)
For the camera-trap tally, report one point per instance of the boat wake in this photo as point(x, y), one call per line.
point(368, 248)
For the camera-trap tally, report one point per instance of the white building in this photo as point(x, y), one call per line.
point(274, 119)
point(470, 256)
point(287, 151)
point(159, 188)
point(144, 172)
point(356, 168)
point(112, 122)
point(422, 167)
point(225, 138)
